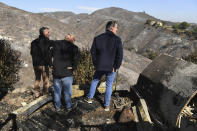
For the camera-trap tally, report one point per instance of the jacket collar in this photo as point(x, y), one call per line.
point(43, 37)
point(109, 32)
point(67, 42)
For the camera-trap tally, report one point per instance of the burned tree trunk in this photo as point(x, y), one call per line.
point(168, 84)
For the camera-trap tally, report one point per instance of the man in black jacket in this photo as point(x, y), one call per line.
point(65, 58)
point(107, 54)
point(41, 60)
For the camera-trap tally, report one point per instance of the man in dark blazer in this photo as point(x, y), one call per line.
point(107, 54)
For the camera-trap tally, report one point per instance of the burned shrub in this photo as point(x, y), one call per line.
point(9, 65)
point(85, 69)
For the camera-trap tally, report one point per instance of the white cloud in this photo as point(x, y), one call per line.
point(50, 9)
point(88, 8)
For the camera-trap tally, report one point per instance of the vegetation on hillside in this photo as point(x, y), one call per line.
point(9, 65)
point(183, 28)
point(191, 57)
point(194, 32)
point(84, 73)
point(85, 69)
point(183, 25)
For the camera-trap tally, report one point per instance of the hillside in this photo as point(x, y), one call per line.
point(22, 27)
point(168, 84)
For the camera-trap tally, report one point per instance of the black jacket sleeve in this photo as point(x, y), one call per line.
point(119, 54)
point(33, 48)
point(93, 52)
point(75, 57)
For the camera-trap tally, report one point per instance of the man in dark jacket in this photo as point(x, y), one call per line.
point(107, 54)
point(41, 60)
point(65, 58)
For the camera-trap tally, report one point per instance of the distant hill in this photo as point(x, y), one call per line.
point(61, 16)
point(135, 34)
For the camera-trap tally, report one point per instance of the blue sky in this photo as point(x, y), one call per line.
point(171, 10)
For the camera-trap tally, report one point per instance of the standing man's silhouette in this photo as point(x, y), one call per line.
point(40, 52)
point(107, 54)
point(65, 59)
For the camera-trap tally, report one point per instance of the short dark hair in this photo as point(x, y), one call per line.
point(110, 24)
point(42, 30)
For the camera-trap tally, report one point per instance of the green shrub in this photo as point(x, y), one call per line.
point(184, 25)
point(85, 69)
point(9, 65)
point(176, 26)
